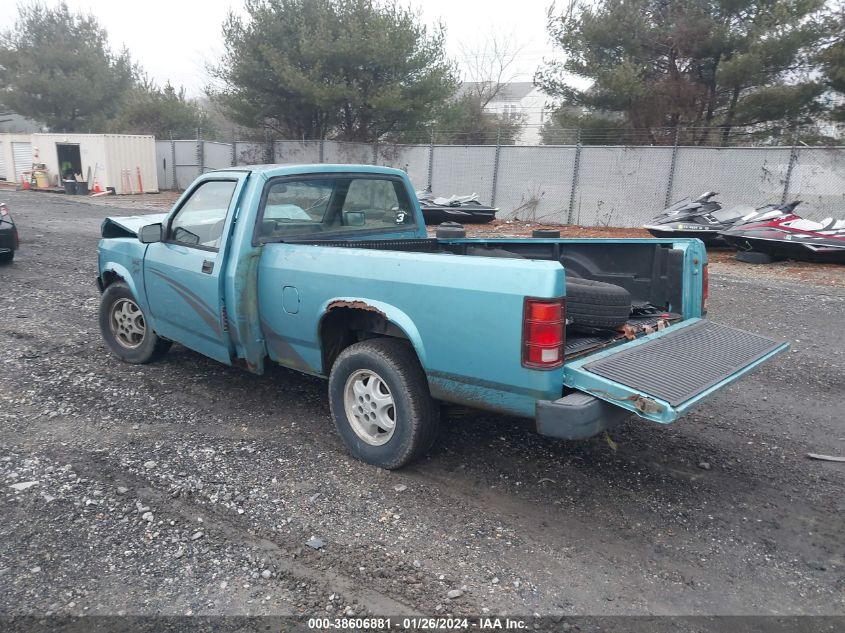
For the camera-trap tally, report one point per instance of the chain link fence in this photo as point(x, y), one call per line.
point(590, 185)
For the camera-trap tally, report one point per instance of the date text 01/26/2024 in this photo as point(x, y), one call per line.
point(417, 624)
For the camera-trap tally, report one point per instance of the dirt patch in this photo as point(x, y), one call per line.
point(721, 259)
point(518, 228)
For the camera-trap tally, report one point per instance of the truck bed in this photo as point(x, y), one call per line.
point(650, 270)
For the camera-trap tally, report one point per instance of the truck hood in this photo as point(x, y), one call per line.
point(129, 225)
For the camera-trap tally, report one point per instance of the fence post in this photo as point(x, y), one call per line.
point(269, 147)
point(793, 158)
point(200, 152)
point(234, 159)
point(430, 161)
point(375, 149)
point(575, 169)
point(173, 161)
point(496, 167)
point(671, 182)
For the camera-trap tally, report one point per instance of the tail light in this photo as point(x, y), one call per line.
point(543, 333)
point(705, 287)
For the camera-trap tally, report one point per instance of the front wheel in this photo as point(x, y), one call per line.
point(381, 404)
point(7, 257)
point(124, 327)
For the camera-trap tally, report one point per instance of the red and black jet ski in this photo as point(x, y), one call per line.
point(785, 235)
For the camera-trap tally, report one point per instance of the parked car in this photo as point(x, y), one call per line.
point(328, 270)
point(8, 235)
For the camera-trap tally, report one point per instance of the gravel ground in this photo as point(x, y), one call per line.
point(189, 487)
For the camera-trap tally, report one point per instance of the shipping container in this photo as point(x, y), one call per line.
point(123, 162)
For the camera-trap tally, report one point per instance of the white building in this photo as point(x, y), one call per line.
point(125, 163)
point(13, 123)
point(521, 99)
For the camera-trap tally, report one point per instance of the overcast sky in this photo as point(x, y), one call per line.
point(175, 39)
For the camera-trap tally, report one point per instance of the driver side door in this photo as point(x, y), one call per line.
point(183, 274)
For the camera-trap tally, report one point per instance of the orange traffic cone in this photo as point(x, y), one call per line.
point(97, 186)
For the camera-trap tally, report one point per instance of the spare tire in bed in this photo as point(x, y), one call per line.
point(596, 304)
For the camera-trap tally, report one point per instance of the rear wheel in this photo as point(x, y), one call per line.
point(124, 327)
point(381, 404)
point(6, 258)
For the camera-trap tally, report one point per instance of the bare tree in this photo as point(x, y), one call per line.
point(465, 118)
point(489, 67)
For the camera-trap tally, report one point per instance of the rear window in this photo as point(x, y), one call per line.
point(333, 205)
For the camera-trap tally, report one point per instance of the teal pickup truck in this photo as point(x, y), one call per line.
point(328, 270)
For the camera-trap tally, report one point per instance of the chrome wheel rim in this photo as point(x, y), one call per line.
point(370, 407)
point(127, 323)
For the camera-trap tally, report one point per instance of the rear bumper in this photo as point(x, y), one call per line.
point(577, 416)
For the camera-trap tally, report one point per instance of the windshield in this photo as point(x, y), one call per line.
point(675, 207)
point(723, 215)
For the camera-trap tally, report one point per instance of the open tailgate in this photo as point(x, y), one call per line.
point(661, 376)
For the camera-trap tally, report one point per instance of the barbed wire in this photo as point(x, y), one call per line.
point(819, 135)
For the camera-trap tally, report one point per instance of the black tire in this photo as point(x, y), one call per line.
point(150, 347)
point(6, 258)
point(545, 234)
point(596, 304)
point(415, 411)
point(753, 257)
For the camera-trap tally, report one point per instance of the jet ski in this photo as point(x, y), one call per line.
point(707, 220)
point(463, 209)
point(782, 234)
point(701, 217)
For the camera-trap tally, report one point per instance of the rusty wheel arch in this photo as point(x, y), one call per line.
point(347, 322)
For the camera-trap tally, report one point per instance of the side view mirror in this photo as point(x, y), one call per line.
point(150, 233)
point(354, 218)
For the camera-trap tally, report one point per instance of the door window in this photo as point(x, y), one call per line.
point(333, 205)
point(199, 221)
